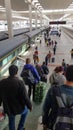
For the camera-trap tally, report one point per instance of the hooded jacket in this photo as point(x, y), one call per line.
point(57, 78)
point(33, 71)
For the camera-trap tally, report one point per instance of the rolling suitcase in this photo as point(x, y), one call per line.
point(40, 91)
point(53, 59)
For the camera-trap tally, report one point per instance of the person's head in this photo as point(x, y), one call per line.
point(63, 60)
point(13, 70)
point(58, 69)
point(69, 73)
point(44, 63)
point(28, 61)
point(36, 48)
point(67, 65)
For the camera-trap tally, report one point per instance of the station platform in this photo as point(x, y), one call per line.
point(64, 46)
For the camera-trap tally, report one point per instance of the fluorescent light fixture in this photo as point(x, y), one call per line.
point(0, 6)
point(24, 12)
point(35, 1)
point(27, 1)
point(37, 4)
point(69, 10)
point(70, 6)
point(2, 10)
point(19, 17)
point(41, 8)
point(57, 11)
point(38, 8)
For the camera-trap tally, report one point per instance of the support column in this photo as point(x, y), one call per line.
point(20, 24)
point(40, 19)
point(44, 22)
point(47, 22)
point(9, 17)
point(36, 18)
point(30, 16)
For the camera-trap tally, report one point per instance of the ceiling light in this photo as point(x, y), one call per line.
point(27, 1)
point(0, 6)
point(19, 17)
point(35, 1)
point(37, 4)
point(70, 6)
point(60, 10)
point(41, 8)
point(2, 10)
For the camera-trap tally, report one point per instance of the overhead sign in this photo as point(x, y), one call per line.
point(57, 22)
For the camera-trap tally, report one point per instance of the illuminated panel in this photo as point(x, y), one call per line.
point(57, 22)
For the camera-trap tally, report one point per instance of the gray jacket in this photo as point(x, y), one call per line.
point(57, 78)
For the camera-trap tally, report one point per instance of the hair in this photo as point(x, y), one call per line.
point(69, 73)
point(63, 60)
point(27, 60)
point(36, 48)
point(58, 69)
point(44, 63)
point(13, 69)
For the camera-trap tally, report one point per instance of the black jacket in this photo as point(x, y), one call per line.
point(14, 96)
point(45, 69)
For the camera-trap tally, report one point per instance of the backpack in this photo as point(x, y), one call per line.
point(45, 69)
point(52, 79)
point(64, 119)
point(28, 76)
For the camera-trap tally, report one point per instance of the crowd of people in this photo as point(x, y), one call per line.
point(57, 110)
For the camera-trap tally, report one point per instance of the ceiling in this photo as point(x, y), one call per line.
point(55, 4)
point(20, 5)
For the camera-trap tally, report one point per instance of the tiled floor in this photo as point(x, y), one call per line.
point(65, 44)
point(63, 52)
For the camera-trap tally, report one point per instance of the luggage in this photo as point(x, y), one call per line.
point(53, 59)
point(27, 76)
point(40, 91)
point(3, 120)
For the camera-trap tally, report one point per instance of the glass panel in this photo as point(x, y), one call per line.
point(9, 57)
point(0, 63)
point(4, 61)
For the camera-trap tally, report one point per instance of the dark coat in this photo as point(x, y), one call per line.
point(45, 69)
point(14, 96)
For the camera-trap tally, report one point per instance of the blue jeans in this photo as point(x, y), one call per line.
point(21, 122)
